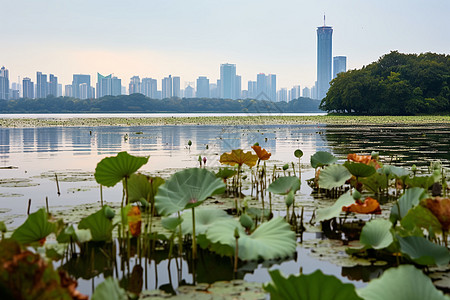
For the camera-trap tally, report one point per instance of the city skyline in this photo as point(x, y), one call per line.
point(191, 38)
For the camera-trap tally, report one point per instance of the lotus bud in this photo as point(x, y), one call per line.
point(204, 160)
point(375, 155)
point(246, 221)
point(356, 195)
point(285, 167)
point(289, 198)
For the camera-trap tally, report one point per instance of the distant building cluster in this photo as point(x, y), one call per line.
point(228, 86)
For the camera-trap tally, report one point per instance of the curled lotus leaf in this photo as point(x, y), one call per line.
point(111, 170)
point(359, 169)
point(284, 185)
point(36, 228)
point(261, 152)
point(99, 224)
point(440, 207)
point(334, 210)
point(377, 234)
point(333, 176)
point(186, 189)
point(225, 173)
point(204, 219)
point(409, 199)
point(365, 159)
point(322, 158)
point(368, 206)
point(238, 157)
point(143, 188)
point(423, 252)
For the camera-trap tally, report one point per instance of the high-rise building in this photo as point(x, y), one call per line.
point(176, 88)
point(108, 86)
point(4, 83)
point(166, 84)
point(294, 93)
point(68, 90)
point(135, 85)
point(149, 87)
point(59, 93)
point(261, 87)
point(252, 91)
point(324, 55)
point(53, 85)
point(41, 85)
point(282, 95)
point(79, 79)
point(84, 91)
point(189, 92)
point(272, 87)
point(202, 87)
point(228, 81)
point(306, 92)
point(28, 88)
point(238, 87)
point(339, 65)
point(213, 91)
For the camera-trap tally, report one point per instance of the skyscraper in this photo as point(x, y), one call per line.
point(339, 65)
point(4, 83)
point(28, 88)
point(261, 87)
point(176, 88)
point(166, 87)
point(79, 79)
point(202, 87)
point(149, 87)
point(135, 85)
point(41, 85)
point(53, 85)
point(324, 55)
point(252, 89)
point(306, 92)
point(272, 87)
point(108, 86)
point(238, 88)
point(228, 81)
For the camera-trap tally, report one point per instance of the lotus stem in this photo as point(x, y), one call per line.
point(293, 168)
point(46, 204)
point(101, 195)
point(57, 185)
point(236, 253)
point(194, 239)
point(29, 206)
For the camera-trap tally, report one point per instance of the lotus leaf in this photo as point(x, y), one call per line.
point(171, 223)
point(272, 239)
point(333, 176)
point(238, 157)
point(312, 286)
point(283, 185)
point(204, 219)
point(35, 228)
point(336, 209)
point(364, 159)
point(440, 207)
point(423, 252)
point(422, 181)
point(225, 173)
point(402, 283)
point(369, 206)
point(375, 182)
point(111, 170)
point(399, 172)
point(359, 169)
point(261, 153)
point(409, 199)
point(421, 217)
point(78, 235)
point(290, 197)
point(298, 153)
point(322, 158)
point(143, 188)
point(187, 189)
point(99, 224)
point(109, 289)
point(377, 234)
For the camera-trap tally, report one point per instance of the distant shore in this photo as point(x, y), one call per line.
point(226, 121)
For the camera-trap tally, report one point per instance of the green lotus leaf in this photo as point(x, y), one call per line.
point(226, 173)
point(375, 182)
point(272, 239)
point(312, 286)
point(171, 223)
point(402, 283)
point(143, 188)
point(35, 228)
point(246, 221)
point(421, 217)
point(99, 224)
point(109, 289)
point(111, 170)
point(298, 153)
point(409, 199)
point(283, 185)
point(204, 219)
point(322, 158)
point(76, 235)
point(359, 169)
point(334, 210)
point(377, 234)
point(423, 181)
point(423, 252)
point(399, 172)
point(333, 176)
point(186, 189)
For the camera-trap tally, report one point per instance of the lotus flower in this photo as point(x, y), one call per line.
point(369, 206)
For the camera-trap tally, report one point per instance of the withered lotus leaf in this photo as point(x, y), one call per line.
point(238, 157)
point(440, 207)
point(369, 206)
point(134, 220)
point(261, 153)
point(365, 159)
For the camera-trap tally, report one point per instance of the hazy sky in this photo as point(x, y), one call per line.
point(191, 38)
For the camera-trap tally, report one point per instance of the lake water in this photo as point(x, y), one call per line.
point(37, 154)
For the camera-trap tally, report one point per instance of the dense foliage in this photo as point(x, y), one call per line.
point(140, 103)
point(397, 84)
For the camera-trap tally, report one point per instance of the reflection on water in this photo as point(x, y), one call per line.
point(35, 151)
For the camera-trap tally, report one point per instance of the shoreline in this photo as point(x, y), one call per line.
point(225, 121)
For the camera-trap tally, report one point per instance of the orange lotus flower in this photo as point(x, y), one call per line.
point(440, 207)
point(369, 206)
point(238, 157)
point(365, 159)
point(262, 153)
point(134, 220)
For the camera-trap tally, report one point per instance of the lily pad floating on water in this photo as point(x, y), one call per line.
point(322, 158)
point(111, 170)
point(36, 228)
point(312, 286)
point(187, 189)
point(402, 283)
point(333, 176)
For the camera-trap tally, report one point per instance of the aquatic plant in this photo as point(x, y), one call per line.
point(100, 224)
point(35, 228)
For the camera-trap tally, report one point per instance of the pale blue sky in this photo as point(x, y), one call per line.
point(154, 38)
